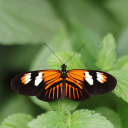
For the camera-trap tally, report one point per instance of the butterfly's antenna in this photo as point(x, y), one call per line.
point(74, 54)
point(53, 53)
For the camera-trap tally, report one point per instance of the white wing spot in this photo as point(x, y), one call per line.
point(38, 79)
point(27, 78)
point(99, 77)
point(88, 78)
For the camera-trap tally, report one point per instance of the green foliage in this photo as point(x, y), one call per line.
point(64, 106)
point(18, 101)
point(91, 40)
point(112, 116)
point(64, 26)
point(23, 22)
point(42, 104)
point(50, 119)
point(107, 54)
point(63, 117)
point(122, 110)
point(121, 89)
point(88, 119)
point(79, 119)
point(17, 121)
point(122, 63)
point(73, 63)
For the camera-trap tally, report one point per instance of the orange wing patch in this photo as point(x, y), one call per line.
point(72, 92)
point(26, 78)
point(51, 82)
point(77, 77)
point(57, 91)
point(77, 74)
point(51, 93)
point(76, 83)
point(50, 77)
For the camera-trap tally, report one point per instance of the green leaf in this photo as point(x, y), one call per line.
point(112, 116)
point(107, 53)
point(53, 119)
point(80, 36)
point(40, 62)
point(107, 100)
point(119, 10)
point(73, 63)
point(27, 22)
point(88, 119)
point(122, 43)
point(42, 104)
point(13, 105)
point(90, 14)
point(122, 63)
point(16, 121)
point(121, 89)
point(64, 106)
point(122, 109)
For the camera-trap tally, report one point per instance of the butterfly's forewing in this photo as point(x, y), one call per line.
point(87, 83)
point(45, 84)
point(102, 82)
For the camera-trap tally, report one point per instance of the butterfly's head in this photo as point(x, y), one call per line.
point(63, 67)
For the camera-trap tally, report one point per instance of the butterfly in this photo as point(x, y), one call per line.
point(76, 84)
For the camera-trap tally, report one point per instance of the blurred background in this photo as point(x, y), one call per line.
point(63, 25)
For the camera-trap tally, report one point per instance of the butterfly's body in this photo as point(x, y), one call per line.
point(50, 85)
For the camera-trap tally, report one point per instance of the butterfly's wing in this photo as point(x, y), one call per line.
point(81, 84)
point(46, 85)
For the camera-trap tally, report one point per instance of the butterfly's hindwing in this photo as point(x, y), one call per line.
point(53, 87)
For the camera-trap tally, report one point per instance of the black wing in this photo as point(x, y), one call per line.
point(46, 85)
point(81, 84)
